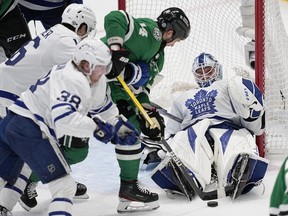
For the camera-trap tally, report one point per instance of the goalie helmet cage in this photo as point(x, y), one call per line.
point(213, 30)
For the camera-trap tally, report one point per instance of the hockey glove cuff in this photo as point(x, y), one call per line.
point(157, 130)
point(74, 142)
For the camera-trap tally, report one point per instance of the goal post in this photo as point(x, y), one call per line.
point(213, 30)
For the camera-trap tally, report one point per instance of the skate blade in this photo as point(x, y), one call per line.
point(24, 206)
point(81, 197)
point(128, 206)
point(172, 194)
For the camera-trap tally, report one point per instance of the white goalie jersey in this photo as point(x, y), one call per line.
point(60, 101)
point(216, 103)
point(215, 139)
point(34, 60)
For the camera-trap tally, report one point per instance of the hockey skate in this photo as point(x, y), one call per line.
point(4, 211)
point(240, 175)
point(133, 198)
point(28, 198)
point(81, 192)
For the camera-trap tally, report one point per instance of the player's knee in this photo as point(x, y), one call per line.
point(75, 155)
point(63, 187)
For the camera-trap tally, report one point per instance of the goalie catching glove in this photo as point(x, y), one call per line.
point(246, 97)
point(155, 131)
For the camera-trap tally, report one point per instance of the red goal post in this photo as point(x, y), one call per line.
point(213, 30)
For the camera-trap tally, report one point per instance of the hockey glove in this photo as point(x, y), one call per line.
point(104, 132)
point(74, 142)
point(119, 60)
point(137, 74)
point(126, 133)
point(156, 131)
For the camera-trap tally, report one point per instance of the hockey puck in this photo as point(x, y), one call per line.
point(212, 203)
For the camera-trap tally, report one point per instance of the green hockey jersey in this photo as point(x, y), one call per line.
point(279, 196)
point(143, 39)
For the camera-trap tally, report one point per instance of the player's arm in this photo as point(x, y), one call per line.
point(116, 25)
point(247, 101)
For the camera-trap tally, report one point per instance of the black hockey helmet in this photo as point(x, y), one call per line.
point(174, 19)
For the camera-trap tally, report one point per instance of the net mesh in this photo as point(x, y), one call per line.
point(213, 30)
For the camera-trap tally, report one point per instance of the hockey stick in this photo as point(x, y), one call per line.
point(135, 100)
point(228, 190)
point(164, 112)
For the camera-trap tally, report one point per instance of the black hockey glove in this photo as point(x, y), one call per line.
point(153, 132)
point(74, 142)
point(119, 60)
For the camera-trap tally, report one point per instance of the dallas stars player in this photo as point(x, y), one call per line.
point(137, 46)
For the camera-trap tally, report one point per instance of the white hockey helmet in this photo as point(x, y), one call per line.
point(95, 52)
point(76, 14)
point(213, 72)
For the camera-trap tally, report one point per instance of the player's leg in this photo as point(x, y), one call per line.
point(128, 157)
point(10, 167)
point(74, 150)
point(237, 159)
point(10, 195)
point(45, 158)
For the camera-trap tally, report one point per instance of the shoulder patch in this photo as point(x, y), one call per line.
point(157, 34)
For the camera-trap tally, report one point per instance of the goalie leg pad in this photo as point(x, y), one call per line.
point(257, 174)
point(168, 176)
point(162, 175)
point(247, 172)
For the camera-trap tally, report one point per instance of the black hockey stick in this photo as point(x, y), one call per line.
point(164, 112)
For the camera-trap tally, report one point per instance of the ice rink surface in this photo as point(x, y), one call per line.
point(100, 173)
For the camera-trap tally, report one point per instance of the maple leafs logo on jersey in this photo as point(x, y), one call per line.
point(203, 103)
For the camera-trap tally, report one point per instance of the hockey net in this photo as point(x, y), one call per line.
point(213, 30)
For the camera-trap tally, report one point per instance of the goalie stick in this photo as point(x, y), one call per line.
point(228, 190)
point(164, 112)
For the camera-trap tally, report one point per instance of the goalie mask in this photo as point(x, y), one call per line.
point(206, 70)
point(95, 52)
point(174, 19)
